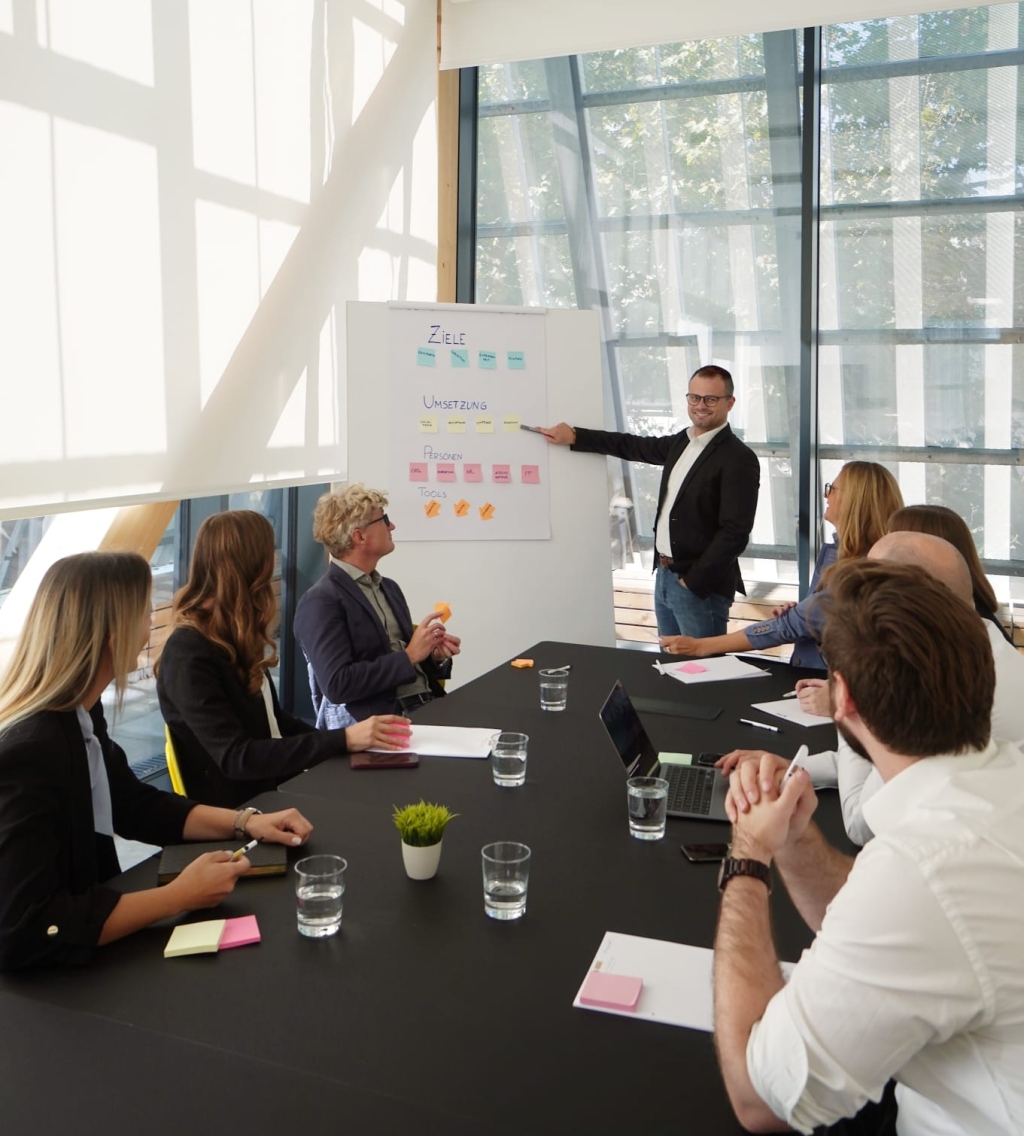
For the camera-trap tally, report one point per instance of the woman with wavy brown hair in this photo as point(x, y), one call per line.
point(230, 735)
point(859, 504)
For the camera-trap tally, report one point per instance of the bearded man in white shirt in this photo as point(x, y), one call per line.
point(917, 969)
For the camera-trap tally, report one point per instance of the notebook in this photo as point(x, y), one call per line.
point(693, 792)
point(266, 859)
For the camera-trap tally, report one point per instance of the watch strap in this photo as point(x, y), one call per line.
point(242, 818)
point(752, 869)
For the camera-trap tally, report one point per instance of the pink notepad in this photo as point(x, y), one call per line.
point(692, 668)
point(240, 932)
point(611, 991)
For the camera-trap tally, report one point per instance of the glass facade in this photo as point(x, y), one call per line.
point(666, 187)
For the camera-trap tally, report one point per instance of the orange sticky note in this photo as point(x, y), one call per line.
point(444, 611)
point(461, 508)
point(522, 663)
point(432, 509)
point(486, 512)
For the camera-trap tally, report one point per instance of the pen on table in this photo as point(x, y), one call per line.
point(759, 725)
point(790, 694)
point(242, 851)
point(795, 764)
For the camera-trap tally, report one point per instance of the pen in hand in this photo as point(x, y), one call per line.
point(242, 851)
point(790, 694)
point(795, 764)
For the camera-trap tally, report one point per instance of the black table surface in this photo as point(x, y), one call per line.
point(421, 1012)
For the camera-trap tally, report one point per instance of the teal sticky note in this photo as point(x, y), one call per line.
point(460, 357)
point(676, 758)
point(488, 360)
point(517, 360)
point(425, 357)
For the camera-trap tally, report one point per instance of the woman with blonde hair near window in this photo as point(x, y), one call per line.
point(65, 787)
point(859, 504)
point(231, 737)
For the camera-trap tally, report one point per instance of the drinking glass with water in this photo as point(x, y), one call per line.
point(506, 868)
point(554, 688)
point(319, 892)
point(647, 798)
point(508, 759)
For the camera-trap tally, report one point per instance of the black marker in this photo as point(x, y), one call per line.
point(532, 429)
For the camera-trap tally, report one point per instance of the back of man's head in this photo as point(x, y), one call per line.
point(935, 555)
point(915, 658)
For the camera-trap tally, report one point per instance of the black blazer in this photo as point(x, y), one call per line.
point(220, 731)
point(346, 644)
point(52, 863)
point(711, 518)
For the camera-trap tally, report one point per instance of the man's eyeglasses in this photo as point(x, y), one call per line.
point(709, 400)
point(383, 517)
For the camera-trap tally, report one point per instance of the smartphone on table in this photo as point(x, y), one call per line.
point(704, 853)
point(707, 758)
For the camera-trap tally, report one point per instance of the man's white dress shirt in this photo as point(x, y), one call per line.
point(676, 477)
point(918, 969)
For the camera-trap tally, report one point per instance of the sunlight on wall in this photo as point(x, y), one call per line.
point(115, 36)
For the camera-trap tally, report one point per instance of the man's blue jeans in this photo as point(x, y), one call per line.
point(680, 612)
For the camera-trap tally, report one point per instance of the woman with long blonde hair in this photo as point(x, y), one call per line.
point(231, 737)
point(859, 504)
point(65, 787)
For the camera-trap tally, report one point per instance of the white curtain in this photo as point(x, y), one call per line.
point(190, 193)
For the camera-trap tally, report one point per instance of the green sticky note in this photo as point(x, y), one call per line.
point(675, 758)
point(425, 357)
point(517, 360)
point(460, 357)
point(487, 359)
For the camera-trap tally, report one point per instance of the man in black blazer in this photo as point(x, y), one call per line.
point(706, 504)
point(354, 624)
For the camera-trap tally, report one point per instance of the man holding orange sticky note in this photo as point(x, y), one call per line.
point(365, 656)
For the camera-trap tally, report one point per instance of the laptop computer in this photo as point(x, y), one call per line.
point(693, 792)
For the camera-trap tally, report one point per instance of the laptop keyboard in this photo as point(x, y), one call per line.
point(690, 790)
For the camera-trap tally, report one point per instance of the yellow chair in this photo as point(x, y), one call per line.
point(173, 769)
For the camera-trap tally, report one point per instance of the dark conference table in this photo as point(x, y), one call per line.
point(421, 1013)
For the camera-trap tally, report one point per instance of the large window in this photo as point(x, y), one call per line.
point(665, 187)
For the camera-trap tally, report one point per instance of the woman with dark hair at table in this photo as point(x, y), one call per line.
point(230, 735)
point(65, 787)
point(858, 504)
point(939, 521)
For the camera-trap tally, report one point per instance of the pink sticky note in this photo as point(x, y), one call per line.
point(502, 474)
point(418, 471)
point(240, 932)
point(472, 472)
point(692, 669)
point(611, 991)
point(531, 475)
point(445, 471)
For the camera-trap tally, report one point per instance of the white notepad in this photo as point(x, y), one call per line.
point(448, 741)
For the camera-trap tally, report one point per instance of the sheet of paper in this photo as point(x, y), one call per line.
point(790, 710)
point(677, 986)
point(449, 741)
point(713, 670)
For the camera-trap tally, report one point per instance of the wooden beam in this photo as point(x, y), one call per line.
point(138, 528)
point(447, 174)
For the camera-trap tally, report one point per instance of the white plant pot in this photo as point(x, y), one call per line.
point(421, 863)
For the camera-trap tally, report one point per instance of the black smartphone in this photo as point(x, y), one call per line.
point(704, 853)
point(707, 758)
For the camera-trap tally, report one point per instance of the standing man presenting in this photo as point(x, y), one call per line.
point(706, 504)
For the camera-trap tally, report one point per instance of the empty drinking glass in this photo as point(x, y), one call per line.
point(506, 868)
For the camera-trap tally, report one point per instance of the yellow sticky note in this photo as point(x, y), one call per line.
point(486, 512)
point(428, 423)
point(510, 423)
point(456, 423)
point(521, 663)
point(195, 938)
point(461, 508)
point(444, 611)
point(484, 424)
point(432, 509)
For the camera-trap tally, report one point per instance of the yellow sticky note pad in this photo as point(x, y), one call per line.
point(676, 758)
point(461, 508)
point(428, 423)
point(456, 423)
point(510, 423)
point(432, 509)
point(195, 938)
point(484, 424)
point(486, 512)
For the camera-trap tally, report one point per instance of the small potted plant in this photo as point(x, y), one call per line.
point(421, 828)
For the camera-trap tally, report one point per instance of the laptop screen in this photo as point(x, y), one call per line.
point(628, 735)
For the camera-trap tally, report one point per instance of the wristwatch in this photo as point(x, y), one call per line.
point(242, 818)
point(731, 868)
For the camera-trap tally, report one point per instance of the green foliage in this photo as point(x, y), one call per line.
point(422, 824)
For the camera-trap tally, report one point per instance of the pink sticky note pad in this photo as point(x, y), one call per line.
point(611, 991)
point(502, 474)
point(445, 471)
point(531, 475)
point(418, 471)
point(472, 471)
point(692, 669)
point(240, 932)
